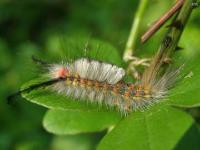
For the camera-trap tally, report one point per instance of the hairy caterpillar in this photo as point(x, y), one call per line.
point(100, 82)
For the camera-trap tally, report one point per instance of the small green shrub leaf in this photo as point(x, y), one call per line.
point(186, 93)
point(158, 128)
point(73, 122)
point(75, 142)
point(53, 100)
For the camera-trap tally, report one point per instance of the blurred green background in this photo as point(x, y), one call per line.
point(30, 27)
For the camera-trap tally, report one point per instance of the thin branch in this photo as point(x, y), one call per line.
point(161, 21)
point(132, 39)
point(171, 39)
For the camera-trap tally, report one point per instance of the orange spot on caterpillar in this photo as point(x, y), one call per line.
point(83, 82)
point(139, 91)
point(63, 72)
point(139, 88)
point(97, 84)
point(127, 94)
point(89, 83)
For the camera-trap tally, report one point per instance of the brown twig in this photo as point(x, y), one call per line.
point(170, 41)
point(161, 21)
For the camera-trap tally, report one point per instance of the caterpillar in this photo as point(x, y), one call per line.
point(102, 83)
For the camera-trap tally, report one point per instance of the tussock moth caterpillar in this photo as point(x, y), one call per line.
point(100, 82)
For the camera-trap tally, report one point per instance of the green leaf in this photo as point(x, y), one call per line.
point(159, 128)
point(190, 139)
point(71, 122)
point(53, 100)
point(75, 46)
point(75, 142)
point(186, 92)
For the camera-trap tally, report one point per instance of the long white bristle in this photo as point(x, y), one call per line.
point(105, 85)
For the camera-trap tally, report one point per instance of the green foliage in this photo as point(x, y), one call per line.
point(186, 92)
point(73, 122)
point(76, 142)
point(56, 31)
point(155, 128)
point(158, 128)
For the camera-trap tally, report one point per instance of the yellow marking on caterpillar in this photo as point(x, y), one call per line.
point(68, 81)
point(75, 82)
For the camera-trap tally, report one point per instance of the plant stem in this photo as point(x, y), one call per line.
point(171, 39)
point(161, 21)
point(132, 39)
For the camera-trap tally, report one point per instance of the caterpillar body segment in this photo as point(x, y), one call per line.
point(101, 82)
